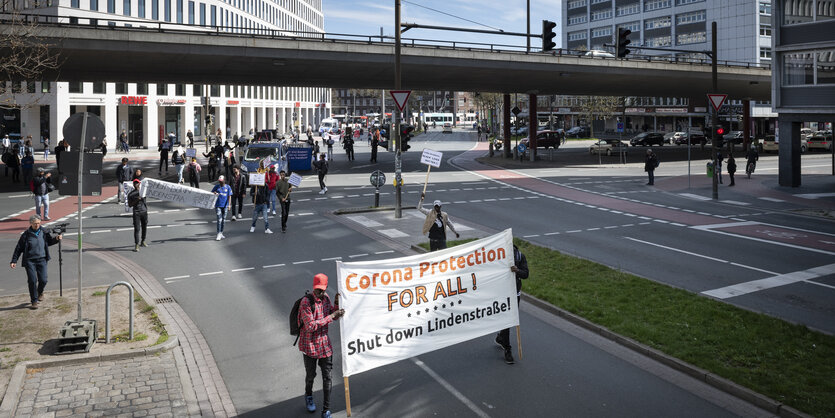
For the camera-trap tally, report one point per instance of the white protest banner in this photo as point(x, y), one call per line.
point(295, 179)
point(177, 193)
point(257, 179)
point(191, 152)
point(430, 157)
point(403, 307)
point(127, 187)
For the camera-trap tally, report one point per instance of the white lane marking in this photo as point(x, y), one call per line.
point(171, 210)
point(814, 195)
point(303, 262)
point(332, 259)
point(365, 221)
point(384, 252)
point(100, 231)
point(392, 233)
point(771, 199)
point(820, 284)
point(176, 277)
point(710, 228)
point(734, 202)
point(552, 233)
point(19, 195)
point(273, 265)
point(128, 229)
point(210, 273)
point(699, 255)
point(770, 282)
point(573, 231)
point(530, 236)
point(468, 403)
point(154, 226)
point(243, 269)
point(357, 255)
point(694, 196)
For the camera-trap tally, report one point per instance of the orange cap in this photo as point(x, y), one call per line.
point(320, 281)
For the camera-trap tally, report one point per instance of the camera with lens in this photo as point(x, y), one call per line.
point(59, 229)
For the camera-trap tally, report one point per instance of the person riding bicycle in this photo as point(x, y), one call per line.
point(752, 156)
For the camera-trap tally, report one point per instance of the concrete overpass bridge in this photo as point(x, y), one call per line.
point(176, 55)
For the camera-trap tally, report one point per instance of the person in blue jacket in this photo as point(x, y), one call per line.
point(34, 246)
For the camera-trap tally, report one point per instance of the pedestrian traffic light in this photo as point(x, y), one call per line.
point(623, 42)
point(548, 35)
point(405, 136)
point(719, 136)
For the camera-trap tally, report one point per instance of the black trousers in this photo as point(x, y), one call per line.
point(162, 160)
point(322, 180)
point(350, 152)
point(326, 364)
point(237, 204)
point(503, 337)
point(437, 244)
point(212, 172)
point(140, 224)
point(374, 154)
point(285, 212)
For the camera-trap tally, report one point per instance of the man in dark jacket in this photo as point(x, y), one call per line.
point(123, 174)
point(650, 163)
point(164, 148)
point(40, 188)
point(238, 183)
point(34, 246)
point(520, 267)
point(140, 216)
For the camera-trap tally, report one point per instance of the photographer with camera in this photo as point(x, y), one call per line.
point(34, 246)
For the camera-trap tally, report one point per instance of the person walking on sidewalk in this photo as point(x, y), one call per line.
point(731, 168)
point(436, 224)
point(315, 315)
point(33, 245)
point(322, 170)
point(283, 189)
point(13, 162)
point(238, 184)
point(223, 192)
point(650, 164)
point(41, 186)
point(261, 200)
point(194, 173)
point(140, 216)
point(520, 268)
point(348, 143)
point(27, 164)
point(179, 160)
point(164, 148)
point(123, 141)
point(190, 137)
point(123, 173)
point(375, 142)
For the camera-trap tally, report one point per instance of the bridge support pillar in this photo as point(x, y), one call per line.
point(506, 124)
point(746, 125)
point(789, 151)
point(533, 125)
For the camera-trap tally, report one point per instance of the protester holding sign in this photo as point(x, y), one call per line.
point(436, 224)
point(261, 199)
point(179, 160)
point(520, 268)
point(223, 192)
point(314, 343)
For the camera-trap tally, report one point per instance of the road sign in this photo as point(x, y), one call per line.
point(516, 111)
point(431, 157)
point(716, 100)
point(620, 126)
point(378, 178)
point(94, 134)
point(400, 97)
point(521, 148)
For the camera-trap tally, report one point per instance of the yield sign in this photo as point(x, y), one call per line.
point(400, 97)
point(716, 100)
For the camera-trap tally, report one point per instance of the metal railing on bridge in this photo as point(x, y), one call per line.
point(209, 30)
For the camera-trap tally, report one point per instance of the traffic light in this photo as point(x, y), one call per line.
point(548, 35)
point(718, 136)
point(405, 136)
point(623, 42)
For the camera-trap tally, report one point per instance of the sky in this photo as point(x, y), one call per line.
point(366, 17)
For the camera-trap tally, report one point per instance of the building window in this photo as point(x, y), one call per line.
point(683, 2)
point(140, 6)
point(661, 22)
point(191, 13)
point(155, 9)
point(167, 10)
point(633, 26)
point(30, 87)
point(179, 89)
point(691, 38)
point(598, 1)
point(202, 14)
point(98, 87)
point(142, 89)
point(213, 20)
point(659, 41)
point(629, 9)
point(693, 17)
point(179, 11)
point(656, 4)
point(808, 11)
point(573, 20)
point(126, 8)
point(765, 53)
point(601, 32)
point(196, 90)
point(45, 86)
point(765, 30)
point(121, 88)
point(74, 4)
point(162, 89)
point(75, 87)
point(601, 14)
point(765, 8)
point(111, 6)
point(577, 3)
point(825, 67)
point(94, 5)
point(577, 36)
point(214, 90)
point(798, 68)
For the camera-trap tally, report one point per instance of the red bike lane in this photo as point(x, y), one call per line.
point(57, 210)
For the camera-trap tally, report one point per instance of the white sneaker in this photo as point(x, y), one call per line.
point(267, 231)
point(252, 229)
point(326, 189)
point(239, 216)
point(219, 236)
point(273, 212)
point(322, 191)
point(222, 236)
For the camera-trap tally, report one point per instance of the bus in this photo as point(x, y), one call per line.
point(437, 118)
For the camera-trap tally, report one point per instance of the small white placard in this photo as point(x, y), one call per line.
point(295, 179)
point(191, 152)
point(431, 157)
point(256, 179)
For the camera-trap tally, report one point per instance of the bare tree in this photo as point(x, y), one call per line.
point(26, 56)
point(598, 107)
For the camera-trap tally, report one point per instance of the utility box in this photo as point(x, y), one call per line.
point(77, 337)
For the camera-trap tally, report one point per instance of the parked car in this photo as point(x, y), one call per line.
point(447, 129)
point(608, 147)
point(521, 130)
point(578, 132)
point(820, 140)
point(696, 137)
point(770, 143)
point(668, 138)
point(647, 138)
point(545, 139)
point(735, 136)
point(680, 138)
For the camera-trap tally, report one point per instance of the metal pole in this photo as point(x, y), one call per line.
point(528, 39)
point(80, 192)
point(715, 118)
point(398, 209)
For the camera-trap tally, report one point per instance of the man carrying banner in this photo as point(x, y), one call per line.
point(520, 267)
point(140, 216)
point(436, 224)
point(314, 342)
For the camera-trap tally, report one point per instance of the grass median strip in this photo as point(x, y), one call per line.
point(786, 362)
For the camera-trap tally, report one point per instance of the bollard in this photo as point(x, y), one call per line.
point(107, 310)
point(376, 198)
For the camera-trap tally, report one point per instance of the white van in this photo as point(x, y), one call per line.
point(327, 125)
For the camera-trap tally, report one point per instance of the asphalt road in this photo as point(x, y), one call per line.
point(239, 291)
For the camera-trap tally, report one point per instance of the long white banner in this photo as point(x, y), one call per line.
point(403, 307)
point(177, 193)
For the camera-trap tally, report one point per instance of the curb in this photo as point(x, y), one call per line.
point(8, 406)
point(718, 382)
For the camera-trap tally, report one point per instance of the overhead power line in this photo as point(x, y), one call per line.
point(451, 15)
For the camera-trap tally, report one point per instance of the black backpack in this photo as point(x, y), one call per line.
point(295, 326)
